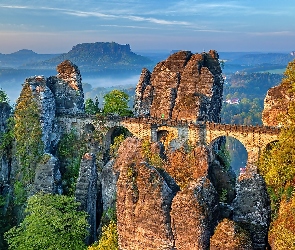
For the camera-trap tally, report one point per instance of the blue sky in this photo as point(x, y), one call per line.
point(55, 26)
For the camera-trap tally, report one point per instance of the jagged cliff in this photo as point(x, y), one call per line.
point(166, 196)
point(184, 86)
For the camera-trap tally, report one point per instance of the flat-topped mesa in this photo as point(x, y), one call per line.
point(184, 86)
point(67, 89)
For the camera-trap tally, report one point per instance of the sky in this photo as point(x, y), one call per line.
point(55, 26)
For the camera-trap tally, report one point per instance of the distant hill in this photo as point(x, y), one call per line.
point(24, 56)
point(254, 61)
point(262, 58)
point(97, 56)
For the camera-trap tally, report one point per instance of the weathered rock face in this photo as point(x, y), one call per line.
point(185, 86)
point(67, 89)
point(143, 202)
point(276, 104)
point(194, 214)
point(45, 99)
point(251, 208)
point(109, 180)
point(48, 177)
point(5, 166)
point(86, 192)
point(223, 180)
point(187, 167)
point(144, 94)
point(230, 236)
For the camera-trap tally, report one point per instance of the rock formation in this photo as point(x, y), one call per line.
point(276, 104)
point(5, 164)
point(251, 208)
point(166, 198)
point(143, 202)
point(67, 89)
point(47, 105)
point(230, 236)
point(194, 214)
point(48, 177)
point(86, 192)
point(185, 86)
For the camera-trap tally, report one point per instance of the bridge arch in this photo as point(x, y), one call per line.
point(112, 133)
point(254, 138)
point(237, 152)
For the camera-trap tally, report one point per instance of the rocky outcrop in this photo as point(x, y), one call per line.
point(276, 104)
point(143, 202)
point(143, 94)
point(184, 86)
point(194, 214)
point(5, 168)
point(187, 167)
point(46, 102)
point(223, 179)
point(109, 180)
point(47, 176)
point(230, 236)
point(251, 208)
point(67, 89)
point(86, 192)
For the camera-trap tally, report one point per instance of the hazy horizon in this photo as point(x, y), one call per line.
point(54, 27)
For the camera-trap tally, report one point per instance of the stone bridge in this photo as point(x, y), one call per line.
point(174, 132)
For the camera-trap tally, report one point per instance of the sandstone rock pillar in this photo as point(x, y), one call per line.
point(86, 192)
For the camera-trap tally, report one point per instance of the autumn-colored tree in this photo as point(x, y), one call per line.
point(28, 134)
point(278, 161)
point(277, 165)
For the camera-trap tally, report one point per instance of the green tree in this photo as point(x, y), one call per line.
point(116, 102)
point(91, 107)
point(3, 96)
point(52, 222)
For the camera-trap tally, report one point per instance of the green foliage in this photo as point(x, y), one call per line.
point(91, 107)
point(152, 158)
point(20, 194)
point(28, 134)
point(247, 112)
point(70, 151)
point(224, 156)
point(116, 103)
point(223, 195)
point(250, 89)
point(3, 96)
point(7, 138)
point(115, 146)
point(52, 222)
point(6, 220)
